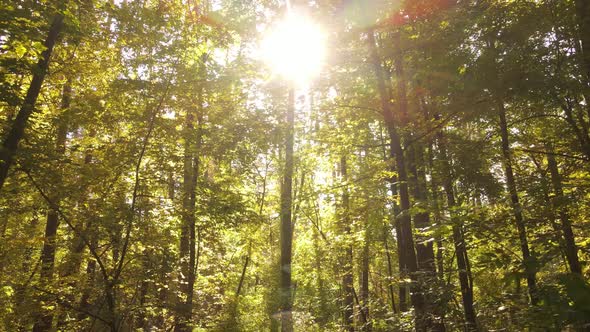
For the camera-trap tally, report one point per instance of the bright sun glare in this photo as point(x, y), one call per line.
point(294, 48)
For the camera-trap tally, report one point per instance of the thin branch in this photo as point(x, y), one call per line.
point(56, 207)
point(136, 185)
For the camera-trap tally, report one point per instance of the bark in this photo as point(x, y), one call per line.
point(396, 151)
point(571, 250)
point(10, 143)
point(583, 17)
point(403, 267)
point(583, 20)
point(364, 291)
point(43, 321)
point(458, 240)
point(434, 190)
point(286, 304)
point(437, 215)
point(389, 270)
point(550, 212)
point(365, 265)
point(187, 235)
point(528, 259)
point(242, 277)
point(322, 296)
point(346, 263)
point(402, 289)
point(188, 238)
point(424, 249)
point(232, 323)
point(424, 246)
point(85, 299)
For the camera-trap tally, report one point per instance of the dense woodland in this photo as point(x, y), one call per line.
point(157, 175)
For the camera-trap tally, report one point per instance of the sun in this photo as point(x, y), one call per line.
point(294, 48)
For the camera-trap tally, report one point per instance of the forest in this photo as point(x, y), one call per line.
point(302, 165)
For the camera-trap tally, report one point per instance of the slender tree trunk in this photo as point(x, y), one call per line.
point(232, 323)
point(91, 232)
point(364, 289)
point(583, 16)
point(90, 282)
point(322, 296)
point(365, 263)
point(437, 214)
point(242, 277)
point(400, 245)
point(45, 318)
point(286, 224)
point(571, 250)
point(188, 238)
point(10, 143)
point(458, 240)
point(346, 263)
point(550, 212)
point(402, 266)
point(187, 234)
point(397, 152)
point(389, 269)
point(528, 259)
point(395, 211)
point(424, 249)
point(424, 246)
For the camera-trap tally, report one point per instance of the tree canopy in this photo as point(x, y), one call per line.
point(385, 166)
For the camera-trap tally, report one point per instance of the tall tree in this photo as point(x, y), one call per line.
point(17, 130)
point(286, 218)
point(44, 322)
point(347, 256)
point(397, 153)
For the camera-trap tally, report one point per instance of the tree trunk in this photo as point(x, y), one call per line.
point(188, 238)
point(549, 211)
point(322, 296)
point(389, 270)
point(187, 233)
point(10, 144)
point(364, 289)
point(395, 211)
point(424, 246)
point(286, 225)
point(397, 152)
point(402, 266)
point(437, 214)
point(346, 260)
point(458, 240)
point(571, 250)
point(90, 278)
point(424, 250)
point(365, 263)
point(583, 16)
point(528, 260)
point(45, 318)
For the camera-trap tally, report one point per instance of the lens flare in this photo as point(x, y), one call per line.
point(295, 48)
